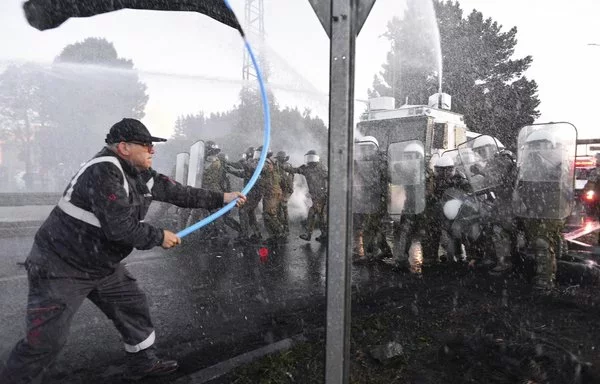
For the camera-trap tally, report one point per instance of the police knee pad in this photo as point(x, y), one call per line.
point(541, 244)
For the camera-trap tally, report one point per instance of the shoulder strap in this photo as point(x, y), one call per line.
point(81, 214)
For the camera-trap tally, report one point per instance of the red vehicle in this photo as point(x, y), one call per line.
point(584, 165)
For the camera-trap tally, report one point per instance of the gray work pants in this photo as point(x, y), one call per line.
point(52, 303)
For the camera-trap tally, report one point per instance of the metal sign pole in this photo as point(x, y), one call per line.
point(339, 205)
point(342, 21)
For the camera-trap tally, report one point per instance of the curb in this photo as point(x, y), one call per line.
point(214, 372)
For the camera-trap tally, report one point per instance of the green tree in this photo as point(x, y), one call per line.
point(242, 126)
point(89, 88)
point(480, 72)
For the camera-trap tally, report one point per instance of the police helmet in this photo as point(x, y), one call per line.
point(444, 162)
point(368, 139)
point(282, 156)
point(258, 151)
point(451, 208)
point(311, 157)
point(540, 139)
point(444, 166)
point(248, 154)
point(211, 148)
point(414, 151)
point(508, 154)
point(485, 146)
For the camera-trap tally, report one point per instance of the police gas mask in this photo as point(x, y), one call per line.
point(444, 172)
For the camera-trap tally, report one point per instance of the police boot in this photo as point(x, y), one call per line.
point(359, 246)
point(310, 225)
point(146, 364)
point(322, 237)
point(415, 257)
point(306, 236)
point(543, 279)
point(502, 250)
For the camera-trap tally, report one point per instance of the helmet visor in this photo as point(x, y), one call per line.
point(311, 159)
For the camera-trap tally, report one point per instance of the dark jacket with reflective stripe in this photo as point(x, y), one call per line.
point(100, 190)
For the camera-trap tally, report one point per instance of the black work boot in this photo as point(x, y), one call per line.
point(146, 364)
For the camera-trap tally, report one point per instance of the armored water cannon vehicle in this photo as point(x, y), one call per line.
point(435, 125)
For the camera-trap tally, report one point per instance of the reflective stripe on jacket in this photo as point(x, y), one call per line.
point(99, 220)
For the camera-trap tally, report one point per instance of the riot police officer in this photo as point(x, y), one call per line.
point(365, 198)
point(287, 187)
point(503, 168)
point(316, 178)
point(244, 169)
point(445, 176)
point(270, 184)
point(543, 198)
point(210, 179)
point(406, 203)
point(215, 178)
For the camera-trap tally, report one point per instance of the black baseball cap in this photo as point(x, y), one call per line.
point(130, 130)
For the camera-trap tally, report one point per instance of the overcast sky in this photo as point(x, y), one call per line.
point(192, 63)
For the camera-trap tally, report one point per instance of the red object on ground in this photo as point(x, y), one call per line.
point(263, 253)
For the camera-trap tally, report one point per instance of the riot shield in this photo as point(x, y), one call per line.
point(196, 169)
point(182, 165)
point(546, 163)
point(476, 157)
point(406, 168)
point(366, 194)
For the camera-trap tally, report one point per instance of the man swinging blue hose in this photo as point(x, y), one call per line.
point(77, 253)
point(112, 213)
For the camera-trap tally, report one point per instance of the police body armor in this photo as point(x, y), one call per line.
point(406, 188)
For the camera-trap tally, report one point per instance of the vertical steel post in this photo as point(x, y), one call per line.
point(341, 138)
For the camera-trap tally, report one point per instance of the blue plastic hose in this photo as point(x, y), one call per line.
point(263, 153)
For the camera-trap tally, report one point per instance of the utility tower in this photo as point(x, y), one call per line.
point(254, 27)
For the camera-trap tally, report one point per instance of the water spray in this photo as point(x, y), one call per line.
point(263, 154)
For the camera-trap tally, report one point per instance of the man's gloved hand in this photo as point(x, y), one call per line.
point(170, 239)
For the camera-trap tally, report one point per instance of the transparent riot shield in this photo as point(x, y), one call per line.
point(196, 169)
point(477, 162)
point(182, 165)
point(546, 163)
point(366, 193)
point(406, 167)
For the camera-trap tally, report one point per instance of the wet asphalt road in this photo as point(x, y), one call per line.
point(210, 300)
point(202, 295)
